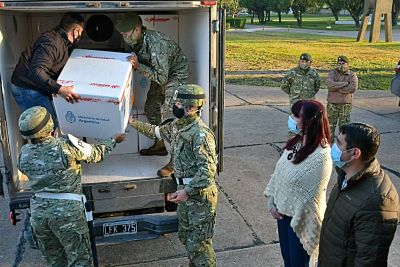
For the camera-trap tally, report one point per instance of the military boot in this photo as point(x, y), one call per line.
point(157, 149)
point(166, 171)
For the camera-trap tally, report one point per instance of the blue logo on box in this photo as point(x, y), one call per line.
point(70, 117)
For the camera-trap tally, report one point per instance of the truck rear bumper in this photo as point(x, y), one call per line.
point(149, 226)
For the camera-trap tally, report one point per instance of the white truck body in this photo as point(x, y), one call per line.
point(125, 187)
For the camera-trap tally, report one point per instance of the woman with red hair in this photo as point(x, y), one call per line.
point(297, 189)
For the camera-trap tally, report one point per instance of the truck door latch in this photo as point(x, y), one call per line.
point(215, 25)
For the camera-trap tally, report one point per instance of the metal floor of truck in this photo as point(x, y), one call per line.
point(123, 167)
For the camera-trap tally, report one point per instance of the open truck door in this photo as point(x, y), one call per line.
point(217, 81)
point(221, 88)
point(124, 189)
point(3, 138)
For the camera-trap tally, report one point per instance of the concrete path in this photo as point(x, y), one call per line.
point(255, 129)
point(349, 34)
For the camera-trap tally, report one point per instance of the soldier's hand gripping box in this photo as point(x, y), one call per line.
point(104, 83)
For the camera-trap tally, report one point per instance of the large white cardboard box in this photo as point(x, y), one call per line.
point(104, 82)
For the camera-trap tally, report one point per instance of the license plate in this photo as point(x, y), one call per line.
point(120, 228)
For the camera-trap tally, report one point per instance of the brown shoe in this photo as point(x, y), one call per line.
point(158, 149)
point(166, 171)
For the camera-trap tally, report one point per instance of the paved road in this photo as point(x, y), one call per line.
point(255, 128)
point(349, 34)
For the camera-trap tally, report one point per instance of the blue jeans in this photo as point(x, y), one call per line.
point(293, 253)
point(27, 98)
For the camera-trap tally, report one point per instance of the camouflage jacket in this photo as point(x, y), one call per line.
point(192, 149)
point(300, 85)
point(160, 58)
point(54, 164)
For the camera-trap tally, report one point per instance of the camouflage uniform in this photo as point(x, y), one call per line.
point(193, 155)
point(162, 61)
point(59, 225)
point(301, 84)
point(338, 114)
point(342, 83)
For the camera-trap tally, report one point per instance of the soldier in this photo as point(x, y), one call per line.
point(302, 82)
point(194, 161)
point(161, 60)
point(34, 78)
point(342, 83)
point(54, 171)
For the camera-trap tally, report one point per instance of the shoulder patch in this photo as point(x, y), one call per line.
point(85, 148)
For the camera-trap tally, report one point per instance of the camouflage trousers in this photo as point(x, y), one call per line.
point(61, 232)
point(338, 114)
point(158, 106)
point(196, 226)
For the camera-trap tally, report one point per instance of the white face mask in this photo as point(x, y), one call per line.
point(292, 125)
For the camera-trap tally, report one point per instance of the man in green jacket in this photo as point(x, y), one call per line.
point(363, 209)
point(162, 61)
point(195, 163)
point(302, 82)
point(54, 171)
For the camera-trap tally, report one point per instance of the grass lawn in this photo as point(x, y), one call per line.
point(311, 21)
point(278, 52)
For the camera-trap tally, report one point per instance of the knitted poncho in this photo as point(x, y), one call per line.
point(299, 191)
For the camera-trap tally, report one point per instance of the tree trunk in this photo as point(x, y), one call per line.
point(356, 20)
point(395, 13)
point(299, 18)
point(252, 17)
point(261, 17)
point(336, 15)
point(269, 15)
point(280, 16)
point(334, 10)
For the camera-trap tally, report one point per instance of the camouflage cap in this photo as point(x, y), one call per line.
point(343, 58)
point(127, 22)
point(35, 122)
point(306, 56)
point(191, 95)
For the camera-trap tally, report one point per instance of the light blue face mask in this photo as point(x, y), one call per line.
point(336, 154)
point(292, 125)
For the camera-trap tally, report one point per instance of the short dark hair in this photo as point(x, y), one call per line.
point(71, 20)
point(362, 136)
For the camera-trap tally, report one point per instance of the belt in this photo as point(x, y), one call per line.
point(183, 181)
point(67, 196)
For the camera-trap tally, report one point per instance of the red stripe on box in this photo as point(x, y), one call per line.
point(89, 99)
point(105, 85)
point(91, 56)
point(158, 19)
point(115, 102)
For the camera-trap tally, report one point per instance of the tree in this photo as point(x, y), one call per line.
point(299, 7)
point(258, 7)
point(335, 6)
point(395, 11)
point(355, 8)
point(281, 6)
point(231, 5)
